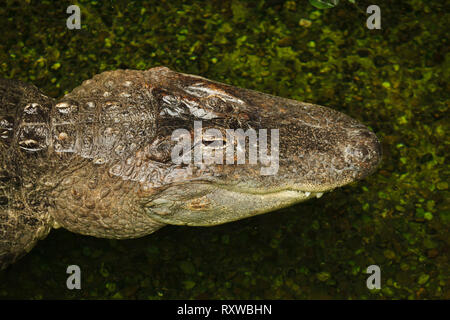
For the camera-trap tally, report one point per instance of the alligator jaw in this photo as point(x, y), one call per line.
point(216, 206)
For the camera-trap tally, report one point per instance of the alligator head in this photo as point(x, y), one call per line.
point(311, 150)
point(128, 152)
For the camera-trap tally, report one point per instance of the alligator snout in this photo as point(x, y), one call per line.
point(363, 153)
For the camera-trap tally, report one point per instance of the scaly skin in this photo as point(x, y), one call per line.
point(98, 161)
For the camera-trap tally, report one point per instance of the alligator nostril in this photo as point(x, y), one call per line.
point(378, 148)
point(372, 144)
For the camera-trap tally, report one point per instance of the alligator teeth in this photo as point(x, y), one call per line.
point(307, 194)
point(318, 195)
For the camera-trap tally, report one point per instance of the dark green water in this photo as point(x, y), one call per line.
point(395, 80)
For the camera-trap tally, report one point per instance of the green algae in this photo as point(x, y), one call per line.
point(395, 80)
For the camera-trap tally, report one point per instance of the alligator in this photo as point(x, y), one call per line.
point(99, 161)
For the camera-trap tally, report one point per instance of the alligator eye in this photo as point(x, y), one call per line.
point(217, 143)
